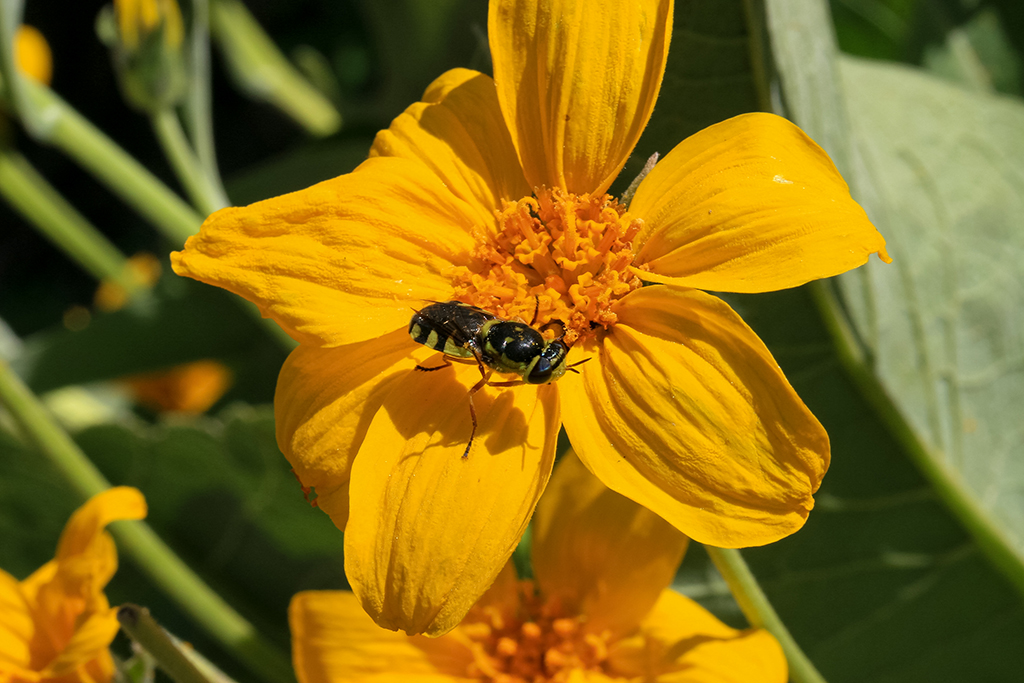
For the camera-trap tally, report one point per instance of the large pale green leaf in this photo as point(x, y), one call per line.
point(942, 174)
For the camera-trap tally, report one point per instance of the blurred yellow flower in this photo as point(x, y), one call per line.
point(598, 610)
point(143, 268)
point(137, 20)
point(492, 192)
point(33, 52)
point(56, 626)
point(146, 38)
point(187, 388)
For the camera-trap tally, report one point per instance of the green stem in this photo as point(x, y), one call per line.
point(65, 128)
point(29, 193)
point(10, 76)
point(205, 196)
point(760, 613)
point(141, 627)
point(946, 482)
point(198, 106)
point(139, 541)
point(265, 73)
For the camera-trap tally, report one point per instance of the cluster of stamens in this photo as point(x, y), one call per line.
point(557, 256)
point(539, 645)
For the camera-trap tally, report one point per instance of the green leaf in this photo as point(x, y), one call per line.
point(182, 321)
point(942, 176)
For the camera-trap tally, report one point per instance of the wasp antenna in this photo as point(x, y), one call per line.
point(536, 308)
point(579, 362)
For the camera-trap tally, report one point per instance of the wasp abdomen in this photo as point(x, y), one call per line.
point(450, 327)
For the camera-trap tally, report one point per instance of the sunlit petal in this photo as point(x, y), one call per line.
point(16, 627)
point(429, 529)
point(459, 134)
point(86, 525)
point(686, 412)
point(601, 554)
point(324, 403)
point(681, 642)
point(577, 83)
point(750, 205)
point(334, 641)
point(90, 641)
point(342, 261)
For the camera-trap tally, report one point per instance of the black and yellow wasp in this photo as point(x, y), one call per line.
point(468, 334)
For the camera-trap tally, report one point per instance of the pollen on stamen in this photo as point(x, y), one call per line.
point(557, 256)
point(537, 644)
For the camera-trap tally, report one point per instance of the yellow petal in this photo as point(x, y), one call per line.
point(324, 403)
point(749, 205)
point(16, 627)
point(343, 261)
point(681, 642)
point(429, 530)
point(334, 641)
point(86, 525)
point(599, 553)
point(459, 134)
point(686, 412)
point(577, 83)
point(89, 644)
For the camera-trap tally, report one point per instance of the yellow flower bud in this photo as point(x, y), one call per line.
point(146, 37)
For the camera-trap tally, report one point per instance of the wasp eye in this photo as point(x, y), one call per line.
point(541, 372)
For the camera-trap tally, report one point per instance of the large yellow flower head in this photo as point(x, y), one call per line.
point(492, 192)
point(56, 626)
point(598, 610)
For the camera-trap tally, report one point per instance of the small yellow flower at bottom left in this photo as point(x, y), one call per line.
point(56, 626)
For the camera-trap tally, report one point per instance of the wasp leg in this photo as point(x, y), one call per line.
point(472, 409)
point(447, 363)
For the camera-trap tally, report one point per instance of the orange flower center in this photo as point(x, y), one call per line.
point(557, 256)
point(538, 646)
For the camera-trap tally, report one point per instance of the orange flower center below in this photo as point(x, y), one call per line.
point(557, 257)
point(537, 646)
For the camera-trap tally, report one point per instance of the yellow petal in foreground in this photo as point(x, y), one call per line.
point(599, 554)
point(339, 262)
point(686, 412)
point(750, 205)
point(429, 529)
point(56, 625)
point(324, 403)
point(577, 83)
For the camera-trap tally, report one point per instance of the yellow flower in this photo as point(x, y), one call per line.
point(56, 625)
point(143, 268)
point(137, 20)
point(186, 388)
point(492, 192)
point(33, 52)
point(599, 610)
point(146, 38)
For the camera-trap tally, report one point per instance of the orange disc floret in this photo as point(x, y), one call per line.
point(558, 256)
point(539, 645)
